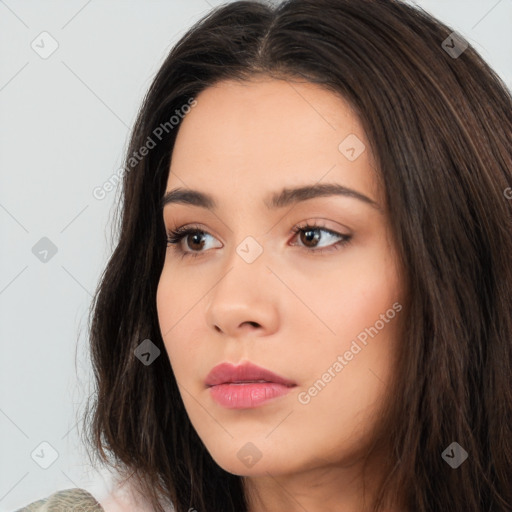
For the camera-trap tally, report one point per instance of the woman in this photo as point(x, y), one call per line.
point(309, 304)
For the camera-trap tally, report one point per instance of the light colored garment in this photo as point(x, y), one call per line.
point(122, 497)
point(68, 500)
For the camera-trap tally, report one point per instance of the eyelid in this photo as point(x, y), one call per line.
point(320, 223)
point(182, 231)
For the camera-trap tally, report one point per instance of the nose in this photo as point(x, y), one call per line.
point(245, 299)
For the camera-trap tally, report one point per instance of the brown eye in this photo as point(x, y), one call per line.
point(310, 237)
point(194, 238)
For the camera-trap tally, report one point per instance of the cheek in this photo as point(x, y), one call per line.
point(362, 309)
point(176, 301)
point(178, 321)
point(164, 306)
point(352, 296)
point(168, 310)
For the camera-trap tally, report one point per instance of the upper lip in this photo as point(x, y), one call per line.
point(226, 372)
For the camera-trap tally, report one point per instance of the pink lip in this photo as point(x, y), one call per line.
point(233, 386)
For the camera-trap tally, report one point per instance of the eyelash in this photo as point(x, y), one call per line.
point(174, 238)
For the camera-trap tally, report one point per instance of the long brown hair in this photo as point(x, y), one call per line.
point(440, 126)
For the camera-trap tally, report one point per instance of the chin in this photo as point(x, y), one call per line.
point(260, 468)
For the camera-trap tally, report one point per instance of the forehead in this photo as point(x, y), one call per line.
point(265, 133)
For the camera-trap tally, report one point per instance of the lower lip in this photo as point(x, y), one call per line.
point(244, 396)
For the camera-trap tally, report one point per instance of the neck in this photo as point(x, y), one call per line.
point(322, 488)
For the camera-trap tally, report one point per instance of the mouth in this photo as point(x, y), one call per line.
point(246, 381)
point(227, 373)
point(245, 386)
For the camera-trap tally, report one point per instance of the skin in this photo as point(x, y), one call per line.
point(291, 310)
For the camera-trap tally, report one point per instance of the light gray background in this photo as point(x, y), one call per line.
point(64, 125)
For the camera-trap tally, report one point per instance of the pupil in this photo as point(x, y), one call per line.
point(311, 238)
point(195, 237)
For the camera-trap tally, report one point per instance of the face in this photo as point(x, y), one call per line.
point(319, 307)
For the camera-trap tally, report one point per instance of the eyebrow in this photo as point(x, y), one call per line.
point(286, 197)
